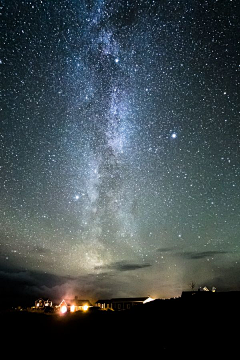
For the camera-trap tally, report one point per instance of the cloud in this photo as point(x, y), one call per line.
point(165, 249)
point(196, 255)
point(20, 286)
point(123, 266)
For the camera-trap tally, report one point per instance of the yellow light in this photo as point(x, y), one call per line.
point(72, 308)
point(63, 309)
point(85, 307)
point(148, 300)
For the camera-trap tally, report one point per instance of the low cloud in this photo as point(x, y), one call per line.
point(165, 249)
point(19, 287)
point(123, 266)
point(196, 255)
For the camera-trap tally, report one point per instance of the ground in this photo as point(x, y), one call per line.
point(163, 326)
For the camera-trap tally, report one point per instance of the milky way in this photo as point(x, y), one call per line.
point(120, 143)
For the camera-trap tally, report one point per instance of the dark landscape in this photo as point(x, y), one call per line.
point(199, 324)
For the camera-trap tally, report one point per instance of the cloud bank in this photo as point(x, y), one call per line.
point(193, 255)
point(123, 266)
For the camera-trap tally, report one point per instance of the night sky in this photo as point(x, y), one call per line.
point(119, 147)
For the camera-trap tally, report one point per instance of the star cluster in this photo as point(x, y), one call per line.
point(120, 142)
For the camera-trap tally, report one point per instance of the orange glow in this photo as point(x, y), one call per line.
point(63, 309)
point(85, 307)
point(148, 300)
point(72, 308)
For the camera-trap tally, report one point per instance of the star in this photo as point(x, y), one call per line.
point(120, 143)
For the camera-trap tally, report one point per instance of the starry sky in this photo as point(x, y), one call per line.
point(120, 147)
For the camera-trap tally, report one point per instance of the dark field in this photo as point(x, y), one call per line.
point(161, 327)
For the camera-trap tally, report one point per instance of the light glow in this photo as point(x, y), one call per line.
point(72, 308)
point(85, 307)
point(63, 309)
point(148, 300)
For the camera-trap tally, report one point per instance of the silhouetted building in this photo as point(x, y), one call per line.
point(211, 297)
point(118, 304)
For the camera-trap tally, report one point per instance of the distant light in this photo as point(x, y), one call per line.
point(148, 300)
point(117, 60)
point(63, 309)
point(85, 307)
point(77, 197)
point(174, 135)
point(72, 308)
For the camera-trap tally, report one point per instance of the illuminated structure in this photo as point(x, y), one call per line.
point(73, 305)
point(122, 303)
point(41, 304)
point(63, 307)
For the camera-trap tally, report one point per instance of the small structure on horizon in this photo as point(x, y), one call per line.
point(41, 304)
point(201, 293)
point(118, 304)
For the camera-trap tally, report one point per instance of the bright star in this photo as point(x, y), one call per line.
point(77, 197)
point(116, 60)
point(174, 135)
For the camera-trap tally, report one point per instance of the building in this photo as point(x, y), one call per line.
point(73, 305)
point(41, 304)
point(201, 293)
point(227, 297)
point(118, 304)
